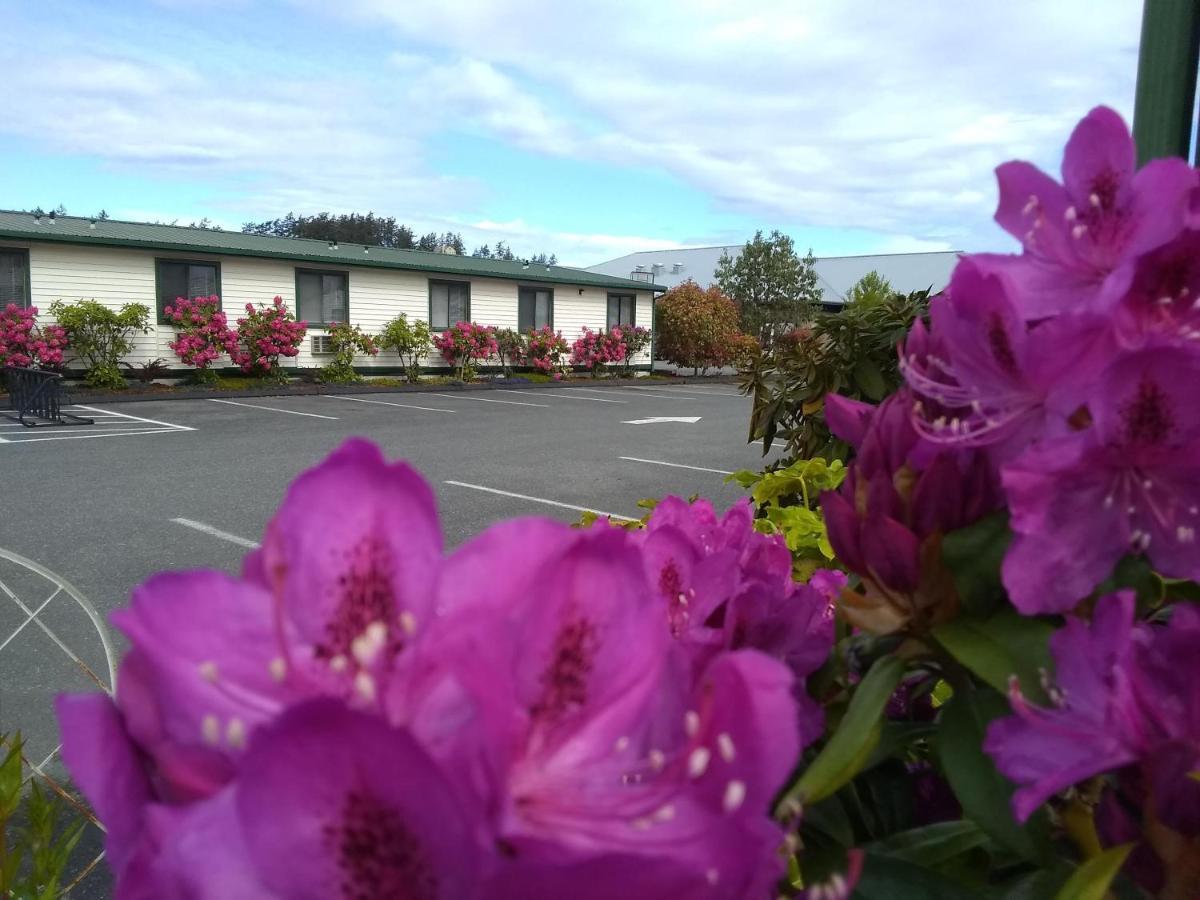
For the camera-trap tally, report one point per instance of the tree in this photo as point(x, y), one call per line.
point(350, 228)
point(503, 251)
point(773, 287)
point(484, 252)
point(869, 290)
point(428, 241)
point(697, 327)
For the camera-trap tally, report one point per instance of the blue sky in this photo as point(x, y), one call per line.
point(587, 130)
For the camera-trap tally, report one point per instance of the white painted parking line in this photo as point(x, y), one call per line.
point(559, 395)
point(217, 533)
point(660, 462)
point(691, 391)
point(622, 390)
point(290, 412)
point(542, 500)
point(113, 412)
point(487, 400)
point(83, 437)
point(387, 403)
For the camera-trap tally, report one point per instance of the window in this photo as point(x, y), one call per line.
point(14, 277)
point(185, 278)
point(622, 309)
point(322, 298)
point(535, 308)
point(449, 302)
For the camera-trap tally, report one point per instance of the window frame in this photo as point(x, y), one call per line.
point(448, 282)
point(160, 261)
point(24, 252)
point(620, 295)
point(533, 289)
point(344, 273)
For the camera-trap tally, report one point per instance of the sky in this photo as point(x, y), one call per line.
point(589, 130)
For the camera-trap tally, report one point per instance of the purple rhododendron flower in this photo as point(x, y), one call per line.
point(1105, 213)
point(1128, 483)
point(1124, 694)
point(359, 714)
point(901, 494)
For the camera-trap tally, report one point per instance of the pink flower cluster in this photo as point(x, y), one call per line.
point(24, 343)
point(465, 342)
point(547, 712)
point(545, 349)
point(204, 332)
point(264, 334)
point(593, 349)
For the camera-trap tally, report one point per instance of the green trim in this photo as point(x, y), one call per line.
point(22, 251)
point(521, 288)
point(158, 298)
point(171, 239)
point(448, 282)
point(304, 271)
point(608, 323)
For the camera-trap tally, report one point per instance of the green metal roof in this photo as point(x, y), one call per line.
point(180, 239)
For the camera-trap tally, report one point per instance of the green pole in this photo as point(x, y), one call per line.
point(1166, 78)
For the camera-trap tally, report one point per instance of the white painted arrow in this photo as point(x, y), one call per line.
point(654, 420)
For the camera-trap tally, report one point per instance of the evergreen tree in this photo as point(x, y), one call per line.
point(774, 288)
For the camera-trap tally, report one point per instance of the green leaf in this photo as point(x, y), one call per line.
point(932, 844)
point(999, 647)
point(974, 554)
point(886, 878)
point(1092, 880)
point(851, 746)
point(869, 379)
point(984, 793)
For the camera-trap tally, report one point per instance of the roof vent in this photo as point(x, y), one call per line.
point(640, 269)
point(676, 267)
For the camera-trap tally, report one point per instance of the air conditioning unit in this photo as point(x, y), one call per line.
point(322, 344)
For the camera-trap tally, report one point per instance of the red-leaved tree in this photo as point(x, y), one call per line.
point(697, 327)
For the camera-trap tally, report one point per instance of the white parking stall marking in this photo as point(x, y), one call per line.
point(698, 392)
point(108, 423)
point(290, 412)
point(660, 462)
point(615, 390)
point(542, 500)
point(488, 400)
point(559, 395)
point(217, 533)
point(387, 403)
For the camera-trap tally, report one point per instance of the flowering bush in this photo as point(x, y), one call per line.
point(24, 343)
point(464, 343)
point(410, 340)
point(606, 713)
point(510, 348)
point(594, 349)
point(347, 341)
point(264, 334)
point(634, 337)
point(203, 333)
point(545, 350)
point(1007, 705)
point(100, 335)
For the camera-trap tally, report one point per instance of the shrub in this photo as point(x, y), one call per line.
point(464, 343)
point(146, 372)
point(24, 343)
point(545, 350)
point(697, 327)
point(411, 340)
point(203, 333)
point(264, 334)
point(634, 337)
point(347, 341)
point(510, 348)
point(100, 336)
point(592, 350)
point(852, 351)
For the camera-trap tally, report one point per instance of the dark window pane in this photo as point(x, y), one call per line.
point(439, 307)
point(172, 282)
point(614, 310)
point(14, 279)
point(541, 311)
point(308, 296)
point(525, 305)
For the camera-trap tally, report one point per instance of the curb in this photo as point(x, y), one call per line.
point(309, 390)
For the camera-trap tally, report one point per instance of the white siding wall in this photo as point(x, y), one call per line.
point(115, 276)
